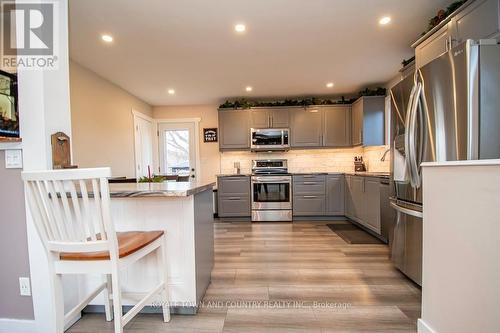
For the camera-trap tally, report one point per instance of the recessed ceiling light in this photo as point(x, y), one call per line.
point(240, 27)
point(385, 20)
point(107, 38)
point(171, 91)
point(329, 85)
point(248, 88)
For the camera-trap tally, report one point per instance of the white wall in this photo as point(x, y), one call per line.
point(461, 248)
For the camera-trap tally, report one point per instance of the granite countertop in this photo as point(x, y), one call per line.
point(165, 189)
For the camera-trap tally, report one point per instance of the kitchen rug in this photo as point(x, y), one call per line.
point(352, 234)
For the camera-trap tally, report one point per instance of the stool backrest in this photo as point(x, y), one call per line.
point(71, 209)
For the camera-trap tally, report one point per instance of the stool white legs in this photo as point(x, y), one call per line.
point(117, 299)
point(163, 268)
point(107, 301)
point(58, 303)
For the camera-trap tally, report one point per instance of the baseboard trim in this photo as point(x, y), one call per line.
point(423, 327)
point(17, 326)
point(181, 310)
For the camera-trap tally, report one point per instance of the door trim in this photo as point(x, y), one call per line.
point(196, 122)
point(139, 115)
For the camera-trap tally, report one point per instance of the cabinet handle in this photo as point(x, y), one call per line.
point(234, 198)
point(310, 196)
point(309, 183)
point(308, 176)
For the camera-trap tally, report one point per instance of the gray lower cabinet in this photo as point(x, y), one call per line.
point(362, 201)
point(335, 197)
point(318, 195)
point(348, 203)
point(309, 195)
point(306, 127)
point(234, 196)
point(234, 129)
point(337, 126)
point(372, 199)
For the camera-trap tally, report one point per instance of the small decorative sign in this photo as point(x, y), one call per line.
point(210, 134)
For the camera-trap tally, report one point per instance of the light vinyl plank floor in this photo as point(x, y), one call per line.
point(284, 277)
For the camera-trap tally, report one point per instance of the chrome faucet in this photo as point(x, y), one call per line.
point(382, 159)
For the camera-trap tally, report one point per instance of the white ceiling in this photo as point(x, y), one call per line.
point(290, 48)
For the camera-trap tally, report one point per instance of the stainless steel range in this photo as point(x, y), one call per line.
point(271, 191)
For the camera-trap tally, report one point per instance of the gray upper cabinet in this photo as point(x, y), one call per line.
point(368, 115)
point(337, 126)
point(270, 117)
point(306, 127)
point(433, 47)
point(335, 195)
point(280, 118)
point(234, 128)
point(478, 19)
point(260, 118)
point(357, 123)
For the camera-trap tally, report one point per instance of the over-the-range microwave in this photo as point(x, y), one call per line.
point(265, 139)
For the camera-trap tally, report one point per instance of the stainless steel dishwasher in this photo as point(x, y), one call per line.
point(387, 213)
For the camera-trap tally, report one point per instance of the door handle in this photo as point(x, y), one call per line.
point(407, 211)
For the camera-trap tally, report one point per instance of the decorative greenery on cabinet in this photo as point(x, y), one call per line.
point(305, 101)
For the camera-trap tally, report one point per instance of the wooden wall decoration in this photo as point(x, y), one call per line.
point(210, 135)
point(61, 151)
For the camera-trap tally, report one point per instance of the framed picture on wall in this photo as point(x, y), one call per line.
point(210, 134)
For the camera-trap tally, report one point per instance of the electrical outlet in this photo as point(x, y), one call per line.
point(13, 159)
point(24, 286)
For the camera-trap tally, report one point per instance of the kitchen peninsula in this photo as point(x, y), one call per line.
point(185, 211)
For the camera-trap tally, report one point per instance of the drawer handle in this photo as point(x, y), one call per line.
point(311, 176)
point(310, 183)
point(310, 196)
point(234, 198)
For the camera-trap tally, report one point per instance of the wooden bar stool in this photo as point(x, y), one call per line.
point(71, 211)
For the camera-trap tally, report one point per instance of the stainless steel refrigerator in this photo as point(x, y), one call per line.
point(449, 110)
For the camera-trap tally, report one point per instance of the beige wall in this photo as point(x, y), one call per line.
point(102, 122)
point(209, 152)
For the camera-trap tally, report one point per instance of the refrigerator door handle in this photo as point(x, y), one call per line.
point(405, 210)
point(410, 132)
point(414, 179)
point(407, 131)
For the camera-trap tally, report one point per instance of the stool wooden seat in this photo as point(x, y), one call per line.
point(128, 243)
point(71, 213)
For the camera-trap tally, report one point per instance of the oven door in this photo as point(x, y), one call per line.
point(272, 193)
point(269, 139)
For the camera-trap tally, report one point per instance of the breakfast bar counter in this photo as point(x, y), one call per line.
point(185, 212)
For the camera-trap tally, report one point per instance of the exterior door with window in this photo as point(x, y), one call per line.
point(178, 149)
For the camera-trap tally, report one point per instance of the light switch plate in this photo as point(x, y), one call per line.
point(13, 159)
point(24, 286)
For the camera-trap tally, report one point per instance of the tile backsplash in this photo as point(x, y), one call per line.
point(311, 160)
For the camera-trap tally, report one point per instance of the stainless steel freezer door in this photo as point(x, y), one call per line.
point(406, 251)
